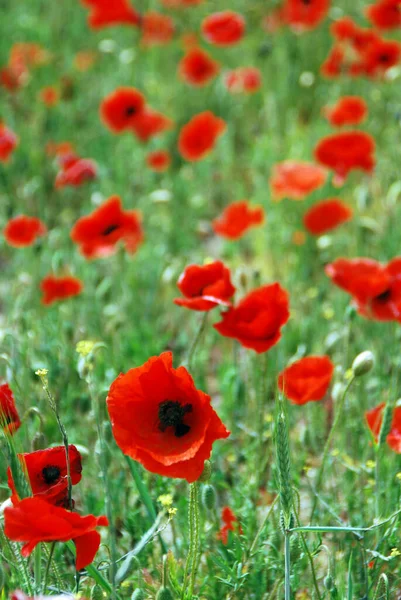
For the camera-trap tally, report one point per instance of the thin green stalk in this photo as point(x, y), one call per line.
point(38, 567)
point(287, 566)
point(196, 541)
point(191, 549)
point(48, 565)
point(196, 341)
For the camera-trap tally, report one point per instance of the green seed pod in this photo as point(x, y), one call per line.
point(329, 583)
point(209, 497)
point(138, 594)
point(206, 473)
point(363, 363)
point(164, 594)
point(97, 593)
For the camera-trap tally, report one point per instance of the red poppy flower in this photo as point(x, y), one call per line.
point(296, 179)
point(224, 28)
point(380, 56)
point(75, 171)
point(303, 15)
point(197, 67)
point(28, 54)
point(257, 320)
point(307, 379)
point(237, 218)
point(34, 521)
point(230, 524)
point(159, 160)
point(333, 65)
point(157, 29)
point(120, 109)
point(59, 148)
point(9, 417)
point(160, 419)
point(348, 110)
point(8, 142)
point(326, 215)
point(149, 124)
point(199, 136)
point(59, 288)
point(375, 288)
point(344, 152)
point(49, 96)
point(374, 418)
point(106, 13)
point(205, 287)
point(12, 78)
point(98, 234)
point(385, 14)
point(23, 231)
point(245, 80)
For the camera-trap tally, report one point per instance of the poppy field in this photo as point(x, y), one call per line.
point(200, 300)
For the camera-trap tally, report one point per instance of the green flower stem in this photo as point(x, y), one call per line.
point(196, 549)
point(287, 566)
point(49, 562)
point(38, 567)
point(193, 551)
point(196, 341)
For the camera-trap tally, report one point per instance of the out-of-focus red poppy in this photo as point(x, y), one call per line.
point(348, 110)
point(326, 215)
point(230, 524)
point(8, 143)
point(47, 473)
point(149, 124)
point(205, 287)
point(380, 56)
point(23, 231)
point(49, 95)
point(28, 55)
point(160, 419)
point(197, 67)
point(224, 28)
point(159, 160)
point(75, 171)
point(157, 29)
point(9, 417)
point(84, 60)
point(13, 78)
point(59, 148)
point(106, 13)
point(307, 379)
point(237, 218)
point(374, 418)
point(303, 15)
point(198, 137)
point(55, 288)
point(385, 14)
point(295, 179)
point(246, 80)
point(120, 109)
point(33, 521)
point(345, 152)
point(99, 233)
point(374, 287)
point(180, 3)
point(333, 65)
point(257, 320)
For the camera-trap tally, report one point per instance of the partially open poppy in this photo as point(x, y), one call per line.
point(374, 419)
point(224, 28)
point(326, 215)
point(99, 233)
point(158, 160)
point(23, 231)
point(157, 29)
point(34, 520)
point(199, 136)
point(9, 417)
point(149, 124)
point(120, 109)
point(75, 171)
point(160, 419)
point(237, 218)
point(307, 379)
point(197, 67)
point(347, 151)
point(348, 110)
point(257, 319)
point(55, 288)
point(107, 14)
point(245, 80)
point(295, 179)
point(385, 14)
point(8, 143)
point(205, 287)
point(304, 15)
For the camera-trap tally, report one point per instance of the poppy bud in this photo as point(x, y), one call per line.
point(164, 594)
point(138, 594)
point(209, 497)
point(329, 583)
point(363, 363)
point(207, 472)
point(97, 593)
point(39, 441)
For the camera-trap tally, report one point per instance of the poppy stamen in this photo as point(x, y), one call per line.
point(110, 229)
point(130, 111)
point(51, 474)
point(384, 296)
point(171, 414)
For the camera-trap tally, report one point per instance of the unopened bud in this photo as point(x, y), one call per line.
point(363, 363)
point(164, 594)
point(38, 441)
point(209, 497)
point(97, 593)
point(329, 582)
point(206, 473)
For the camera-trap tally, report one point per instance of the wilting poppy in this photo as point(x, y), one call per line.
point(344, 152)
point(197, 67)
point(158, 160)
point(149, 124)
point(99, 233)
point(23, 231)
point(257, 320)
point(75, 171)
point(205, 287)
point(237, 218)
point(224, 28)
point(199, 136)
point(385, 14)
point(120, 109)
point(8, 142)
point(33, 521)
point(348, 110)
point(49, 95)
point(303, 15)
point(106, 13)
point(230, 524)
point(326, 215)
point(59, 288)
point(160, 419)
point(374, 418)
point(246, 80)
point(375, 288)
point(9, 417)
point(307, 379)
point(157, 29)
point(296, 179)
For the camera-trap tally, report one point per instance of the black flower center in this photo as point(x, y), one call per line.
point(130, 111)
point(384, 296)
point(384, 58)
point(51, 474)
point(109, 229)
point(171, 414)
